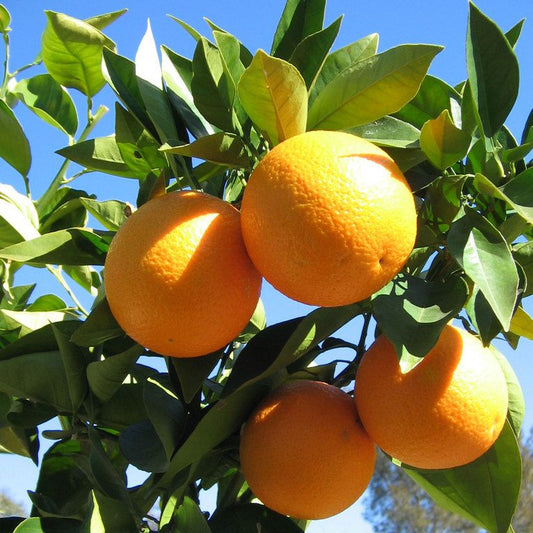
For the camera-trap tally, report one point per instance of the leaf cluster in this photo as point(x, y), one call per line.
point(204, 123)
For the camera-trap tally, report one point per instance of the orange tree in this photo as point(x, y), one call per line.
point(205, 123)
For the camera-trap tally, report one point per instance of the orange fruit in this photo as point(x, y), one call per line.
point(304, 453)
point(328, 218)
point(177, 276)
point(445, 412)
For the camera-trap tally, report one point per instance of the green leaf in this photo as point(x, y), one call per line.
point(412, 312)
point(101, 154)
point(484, 491)
point(514, 33)
point(102, 21)
point(493, 70)
point(389, 131)
point(119, 73)
point(433, 97)
point(177, 74)
point(99, 327)
point(150, 82)
point(192, 372)
point(442, 142)
point(75, 363)
point(220, 148)
point(372, 88)
point(482, 316)
point(22, 376)
point(516, 408)
point(110, 515)
point(14, 146)
point(106, 377)
point(256, 324)
point(244, 518)
point(49, 101)
point(165, 411)
point(14, 440)
point(142, 448)
point(74, 246)
point(485, 256)
point(48, 525)
point(27, 321)
point(212, 91)
point(189, 518)
point(277, 346)
point(298, 20)
point(274, 95)
point(309, 56)
point(343, 58)
point(189, 29)
point(522, 324)
point(72, 52)
point(18, 217)
point(110, 213)
point(5, 19)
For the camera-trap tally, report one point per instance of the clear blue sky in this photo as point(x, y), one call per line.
point(416, 21)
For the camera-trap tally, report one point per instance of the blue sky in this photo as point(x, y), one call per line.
point(416, 21)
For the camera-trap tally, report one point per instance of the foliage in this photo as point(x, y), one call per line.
point(394, 502)
point(204, 122)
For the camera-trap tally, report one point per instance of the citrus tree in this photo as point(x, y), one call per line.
point(203, 128)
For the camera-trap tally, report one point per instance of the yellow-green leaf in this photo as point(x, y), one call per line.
point(443, 143)
point(72, 52)
point(522, 324)
point(274, 95)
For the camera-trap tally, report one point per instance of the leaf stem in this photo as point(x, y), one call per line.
point(56, 272)
point(5, 78)
point(44, 200)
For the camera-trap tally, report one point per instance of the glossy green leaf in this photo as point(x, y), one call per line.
point(49, 101)
point(110, 213)
point(138, 148)
point(372, 88)
point(188, 28)
point(244, 518)
point(486, 259)
point(5, 19)
point(72, 52)
point(309, 55)
point(492, 68)
point(99, 327)
point(110, 515)
point(517, 407)
point(106, 377)
point(192, 372)
point(442, 142)
point(18, 217)
point(484, 491)
point(257, 323)
point(142, 448)
point(14, 440)
point(14, 146)
point(119, 73)
point(100, 154)
point(48, 525)
point(220, 148)
point(150, 82)
point(166, 412)
point(389, 131)
point(343, 58)
point(412, 312)
point(522, 324)
point(274, 95)
point(177, 74)
point(74, 246)
point(482, 316)
point(75, 363)
point(298, 20)
point(22, 376)
point(433, 97)
point(189, 518)
point(27, 321)
point(105, 19)
point(212, 91)
point(514, 33)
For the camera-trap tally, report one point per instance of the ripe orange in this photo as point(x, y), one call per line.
point(177, 275)
point(304, 453)
point(328, 218)
point(447, 411)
